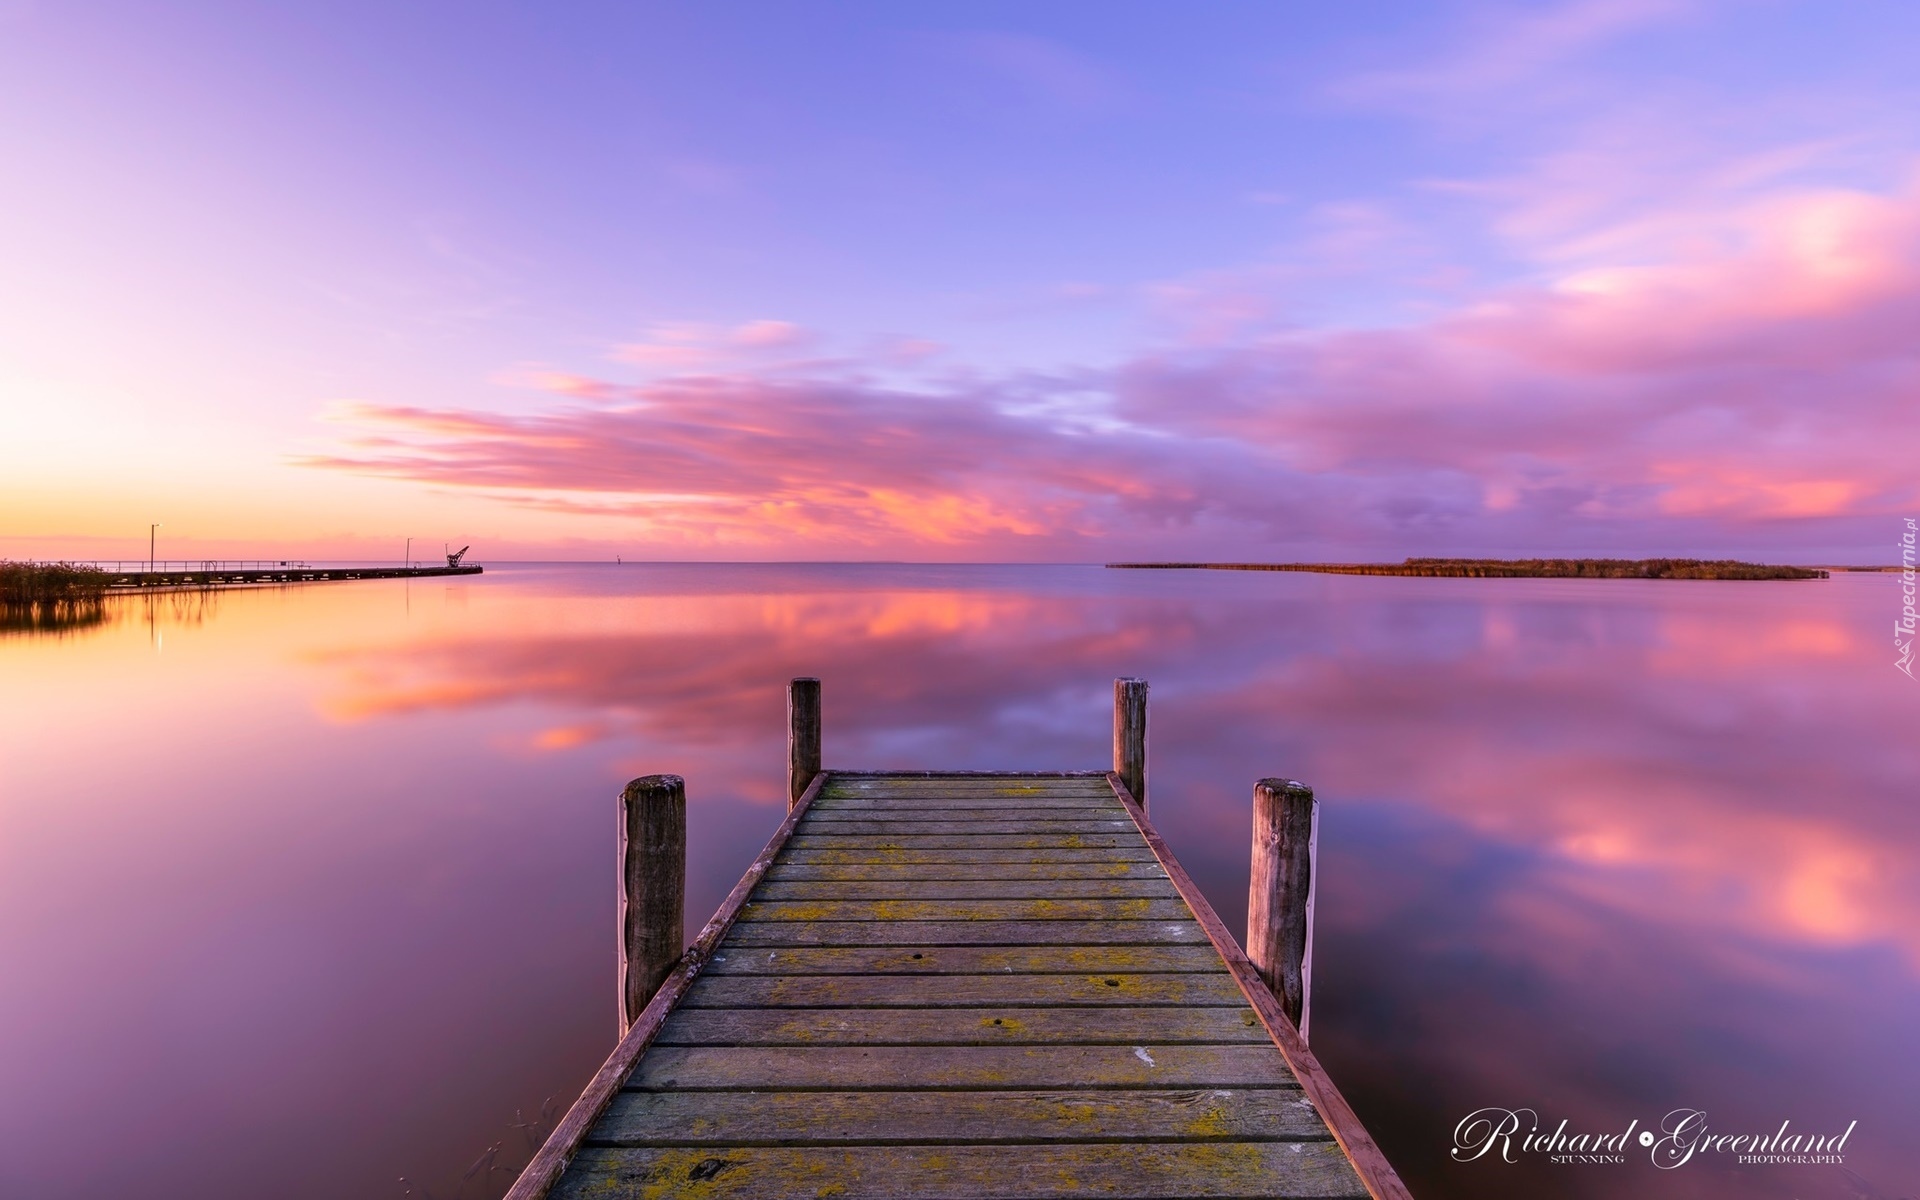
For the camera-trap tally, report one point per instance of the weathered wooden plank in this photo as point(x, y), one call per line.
point(962, 773)
point(885, 779)
point(1211, 989)
point(968, 815)
point(813, 839)
point(965, 933)
point(984, 788)
point(973, 798)
point(791, 872)
point(966, 775)
point(1008, 792)
point(926, 806)
point(878, 811)
point(963, 960)
point(918, 1068)
point(759, 1118)
point(828, 853)
point(996, 1025)
point(1142, 1171)
point(965, 910)
point(921, 801)
point(967, 889)
point(1024, 826)
point(1041, 1172)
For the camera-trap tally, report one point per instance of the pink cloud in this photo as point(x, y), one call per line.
point(685, 347)
point(762, 334)
point(1727, 391)
point(1754, 379)
point(749, 461)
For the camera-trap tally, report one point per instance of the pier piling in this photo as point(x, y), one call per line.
point(1280, 894)
point(653, 887)
point(803, 736)
point(1130, 736)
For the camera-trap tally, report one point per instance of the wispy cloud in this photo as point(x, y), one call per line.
point(687, 346)
point(1507, 47)
point(1039, 69)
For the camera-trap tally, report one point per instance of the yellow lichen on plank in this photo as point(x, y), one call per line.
point(1120, 909)
point(958, 1026)
point(966, 960)
point(1112, 990)
point(1076, 1115)
point(1040, 1172)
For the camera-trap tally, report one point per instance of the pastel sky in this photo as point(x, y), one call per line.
point(960, 281)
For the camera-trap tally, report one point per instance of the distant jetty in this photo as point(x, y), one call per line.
point(1517, 568)
point(50, 586)
point(236, 577)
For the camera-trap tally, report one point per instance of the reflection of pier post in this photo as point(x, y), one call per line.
point(1286, 823)
point(653, 887)
point(1130, 736)
point(803, 736)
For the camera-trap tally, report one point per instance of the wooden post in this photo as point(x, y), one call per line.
point(653, 887)
point(803, 737)
point(1130, 736)
point(1286, 826)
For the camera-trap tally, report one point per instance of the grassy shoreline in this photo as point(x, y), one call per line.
point(48, 596)
point(1517, 568)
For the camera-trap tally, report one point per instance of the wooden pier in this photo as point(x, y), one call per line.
point(217, 577)
point(962, 984)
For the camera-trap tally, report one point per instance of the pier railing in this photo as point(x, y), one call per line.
point(156, 566)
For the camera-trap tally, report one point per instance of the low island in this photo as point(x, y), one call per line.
point(1520, 568)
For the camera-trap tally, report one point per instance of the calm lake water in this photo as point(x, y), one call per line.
point(303, 891)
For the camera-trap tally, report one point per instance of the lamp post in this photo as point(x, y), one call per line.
point(151, 530)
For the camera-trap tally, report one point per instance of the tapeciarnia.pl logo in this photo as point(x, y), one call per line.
point(1683, 1136)
point(1903, 628)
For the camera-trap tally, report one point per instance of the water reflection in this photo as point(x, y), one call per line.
point(152, 609)
point(1600, 848)
point(60, 617)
